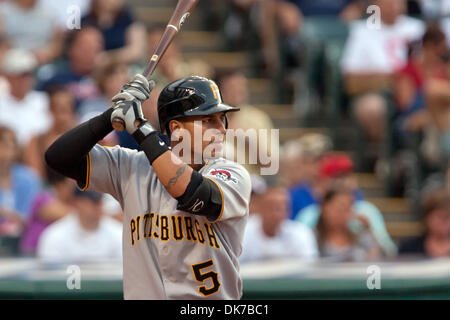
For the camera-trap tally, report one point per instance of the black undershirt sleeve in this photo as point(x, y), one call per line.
point(68, 154)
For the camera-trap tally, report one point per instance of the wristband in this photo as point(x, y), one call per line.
point(150, 142)
point(142, 132)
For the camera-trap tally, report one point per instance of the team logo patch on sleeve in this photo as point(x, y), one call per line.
point(223, 174)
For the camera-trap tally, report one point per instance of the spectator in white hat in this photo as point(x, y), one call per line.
point(22, 109)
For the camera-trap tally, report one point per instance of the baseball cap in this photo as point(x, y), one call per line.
point(91, 195)
point(18, 61)
point(335, 164)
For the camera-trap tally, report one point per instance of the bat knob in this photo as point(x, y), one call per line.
point(118, 124)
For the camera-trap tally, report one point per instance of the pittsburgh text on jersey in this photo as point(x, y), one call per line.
point(177, 227)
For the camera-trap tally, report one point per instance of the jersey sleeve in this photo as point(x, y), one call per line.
point(108, 169)
point(234, 185)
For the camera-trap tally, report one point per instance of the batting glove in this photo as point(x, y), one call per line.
point(127, 104)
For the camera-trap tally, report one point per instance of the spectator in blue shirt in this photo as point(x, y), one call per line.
point(300, 168)
point(18, 186)
point(124, 37)
point(84, 50)
point(337, 169)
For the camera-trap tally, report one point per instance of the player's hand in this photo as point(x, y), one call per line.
point(127, 104)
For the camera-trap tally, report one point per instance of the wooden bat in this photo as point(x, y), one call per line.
point(181, 13)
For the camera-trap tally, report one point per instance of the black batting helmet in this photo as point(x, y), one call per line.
point(190, 96)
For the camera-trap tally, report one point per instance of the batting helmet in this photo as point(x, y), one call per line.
point(190, 96)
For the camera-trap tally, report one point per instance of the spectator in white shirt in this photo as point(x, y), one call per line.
point(84, 236)
point(371, 56)
point(22, 109)
point(271, 235)
point(31, 27)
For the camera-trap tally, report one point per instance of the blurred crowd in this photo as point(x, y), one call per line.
point(395, 78)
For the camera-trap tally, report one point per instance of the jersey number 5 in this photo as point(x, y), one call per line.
point(202, 277)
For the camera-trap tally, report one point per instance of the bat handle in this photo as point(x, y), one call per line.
point(118, 124)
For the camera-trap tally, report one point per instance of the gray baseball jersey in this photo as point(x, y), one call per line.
point(167, 253)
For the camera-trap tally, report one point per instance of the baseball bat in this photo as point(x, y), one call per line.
point(182, 11)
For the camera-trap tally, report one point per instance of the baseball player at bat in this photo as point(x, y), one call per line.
point(183, 222)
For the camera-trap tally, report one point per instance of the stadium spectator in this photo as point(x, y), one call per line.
point(4, 48)
point(48, 206)
point(435, 242)
point(282, 44)
point(424, 64)
point(300, 169)
point(347, 10)
point(259, 188)
point(172, 65)
point(370, 59)
point(234, 88)
point(110, 78)
point(84, 236)
point(336, 240)
point(447, 183)
point(62, 111)
point(271, 235)
point(18, 186)
point(31, 27)
point(338, 170)
point(124, 37)
point(84, 48)
point(438, 99)
point(241, 25)
point(23, 110)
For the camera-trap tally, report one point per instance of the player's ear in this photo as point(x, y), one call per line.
point(175, 126)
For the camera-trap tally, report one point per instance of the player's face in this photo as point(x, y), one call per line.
point(212, 129)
